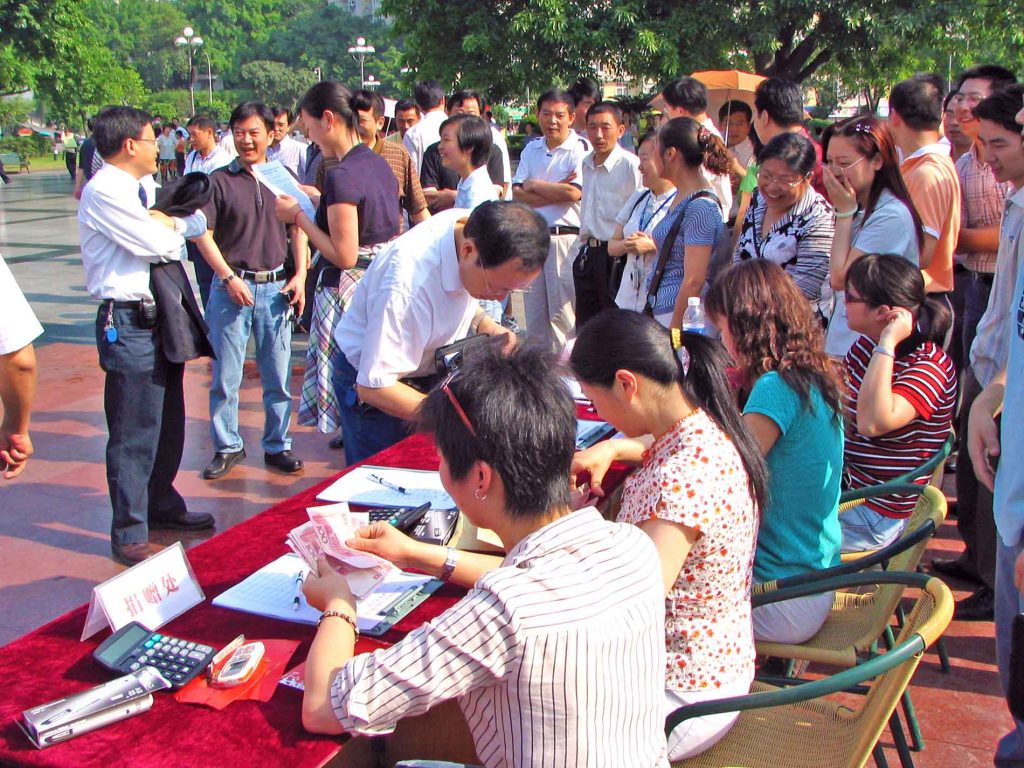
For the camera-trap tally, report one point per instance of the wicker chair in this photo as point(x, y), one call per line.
point(797, 726)
point(934, 466)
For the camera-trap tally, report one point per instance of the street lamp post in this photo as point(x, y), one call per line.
point(370, 82)
point(190, 41)
point(359, 52)
point(209, 75)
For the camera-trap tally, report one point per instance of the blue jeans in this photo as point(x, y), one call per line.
point(1009, 603)
point(230, 327)
point(366, 429)
point(864, 528)
point(144, 402)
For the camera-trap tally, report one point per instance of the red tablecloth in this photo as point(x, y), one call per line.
point(51, 661)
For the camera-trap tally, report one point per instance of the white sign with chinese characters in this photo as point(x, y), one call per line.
point(152, 593)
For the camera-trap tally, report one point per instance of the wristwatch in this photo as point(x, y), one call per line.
point(228, 279)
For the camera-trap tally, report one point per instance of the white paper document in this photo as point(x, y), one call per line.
point(389, 487)
point(278, 180)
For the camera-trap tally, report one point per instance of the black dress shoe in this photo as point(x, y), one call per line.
point(188, 521)
point(954, 568)
point(132, 554)
point(222, 464)
point(979, 606)
point(286, 461)
point(337, 442)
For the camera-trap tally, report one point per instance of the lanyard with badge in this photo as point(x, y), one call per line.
point(645, 224)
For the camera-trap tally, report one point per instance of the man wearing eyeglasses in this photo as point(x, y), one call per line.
point(143, 398)
point(421, 294)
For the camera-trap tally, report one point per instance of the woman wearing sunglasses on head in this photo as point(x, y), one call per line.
point(901, 391)
point(577, 599)
point(873, 210)
point(696, 492)
point(787, 221)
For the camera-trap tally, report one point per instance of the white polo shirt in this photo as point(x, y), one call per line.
point(218, 158)
point(553, 165)
point(18, 323)
point(475, 189)
point(410, 302)
point(606, 188)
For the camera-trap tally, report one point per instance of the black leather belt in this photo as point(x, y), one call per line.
point(560, 230)
point(119, 304)
point(269, 276)
point(593, 242)
point(985, 278)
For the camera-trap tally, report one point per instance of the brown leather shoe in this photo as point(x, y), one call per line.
point(132, 554)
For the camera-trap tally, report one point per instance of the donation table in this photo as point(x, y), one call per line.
point(51, 661)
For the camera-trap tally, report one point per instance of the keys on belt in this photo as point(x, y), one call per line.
point(270, 276)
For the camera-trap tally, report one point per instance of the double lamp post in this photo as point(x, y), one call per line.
point(191, 43)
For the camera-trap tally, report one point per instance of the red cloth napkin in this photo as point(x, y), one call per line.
point(260, 687)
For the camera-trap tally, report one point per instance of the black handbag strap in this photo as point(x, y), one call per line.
point(666, 250)
point(753, 230)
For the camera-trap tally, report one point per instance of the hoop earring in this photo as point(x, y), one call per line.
point(478, 497)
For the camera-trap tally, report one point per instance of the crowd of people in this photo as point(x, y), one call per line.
point(858, 297)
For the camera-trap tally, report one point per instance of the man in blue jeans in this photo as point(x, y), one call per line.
point(246, 245)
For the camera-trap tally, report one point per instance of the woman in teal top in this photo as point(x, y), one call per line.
point(793, 396)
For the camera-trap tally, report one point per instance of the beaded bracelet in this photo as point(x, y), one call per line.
point(343, 616)
point(845, 214)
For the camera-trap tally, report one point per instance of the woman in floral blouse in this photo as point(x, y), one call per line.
point(788, 222)
point(697, 492)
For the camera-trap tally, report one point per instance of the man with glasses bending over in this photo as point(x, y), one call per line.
point(421, 294)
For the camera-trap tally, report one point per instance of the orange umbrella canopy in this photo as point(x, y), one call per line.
point(729, 79)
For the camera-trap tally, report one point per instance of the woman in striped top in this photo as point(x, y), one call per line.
point(901, 391)
point(557, 654)
point(696, 493)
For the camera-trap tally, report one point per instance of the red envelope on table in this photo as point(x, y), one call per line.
point(260, 687)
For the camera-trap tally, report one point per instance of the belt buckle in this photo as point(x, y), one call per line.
point(260, 277)
point(593, 242)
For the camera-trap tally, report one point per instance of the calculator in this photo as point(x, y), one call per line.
point(133, 647)
point(438, 526)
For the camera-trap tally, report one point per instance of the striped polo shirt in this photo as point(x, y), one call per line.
point(557, 656)
point(926, 379)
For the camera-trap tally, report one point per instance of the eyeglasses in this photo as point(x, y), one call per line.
point(840, 168)
point(148, 141)
point(498, 291)
point(768, 179)
point(969, 98)
point(446, 388)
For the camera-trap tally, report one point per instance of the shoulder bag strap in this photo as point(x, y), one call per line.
point(666, 250)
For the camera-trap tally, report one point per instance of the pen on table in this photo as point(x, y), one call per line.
point(297, 599)
point(386, 484)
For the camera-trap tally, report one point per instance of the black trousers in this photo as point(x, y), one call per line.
point(975, 519)
point(144, 402)
point(596, 277)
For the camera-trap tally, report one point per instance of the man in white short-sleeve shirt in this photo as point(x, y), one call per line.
point(550, 179)
point(429, 97)
point(18, 328)
point(418, 295)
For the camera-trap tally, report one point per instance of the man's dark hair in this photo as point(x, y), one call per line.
point(998, 77)
point(248, 109)
point(473, 135)
point(113, 125)
point(686, 93)
point(278, 111)
point(735, 107)
point(585, 88)
point(1002, 107)
point(503, 231)
point(918, 101)
point(606, 108)
point(524, 423)
point(459, 98)
point(405, 104)
point(428, 94)
point(557, 96)
point(369, 101)
point(203, 123)
point(781, 100)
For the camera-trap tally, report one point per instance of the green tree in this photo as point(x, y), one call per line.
point(277, 83)
point(140, 34)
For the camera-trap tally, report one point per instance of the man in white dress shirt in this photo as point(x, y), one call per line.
point(429, 97)
point(143, 398)
point(18, 328)
point(206, 157)
point(550, 178)
point(283, 148)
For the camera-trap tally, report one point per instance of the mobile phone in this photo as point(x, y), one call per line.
point(240, 667)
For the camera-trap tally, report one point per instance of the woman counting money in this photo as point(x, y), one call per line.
point(577, 599)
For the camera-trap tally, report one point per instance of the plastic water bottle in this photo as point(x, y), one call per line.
point(693, 317)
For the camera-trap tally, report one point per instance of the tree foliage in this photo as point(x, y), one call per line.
point(277, 83)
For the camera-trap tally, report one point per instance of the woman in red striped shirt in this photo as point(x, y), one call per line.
point(902, 391)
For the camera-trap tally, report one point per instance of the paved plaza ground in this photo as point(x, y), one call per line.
point(55, 518)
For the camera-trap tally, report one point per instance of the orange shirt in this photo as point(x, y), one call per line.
point(934, 189)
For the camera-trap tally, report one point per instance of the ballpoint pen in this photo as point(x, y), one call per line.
point(394, 487)
point(297, 599)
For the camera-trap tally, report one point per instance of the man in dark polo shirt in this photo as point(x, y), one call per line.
point(246, 247)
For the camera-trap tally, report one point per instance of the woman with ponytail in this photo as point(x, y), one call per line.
point(358, 213)
point(901, 390)
point(696, 492)
point(792, 403)
point(687, 237)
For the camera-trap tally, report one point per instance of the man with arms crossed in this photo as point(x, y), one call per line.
point(550, 179)
point(18, 328)
point(143, 396)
